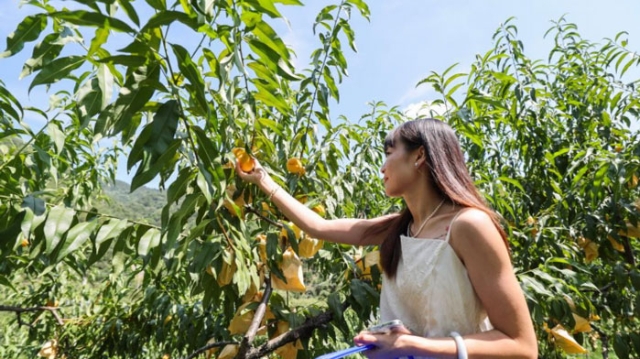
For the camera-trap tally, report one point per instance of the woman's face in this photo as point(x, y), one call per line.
point(399, 170)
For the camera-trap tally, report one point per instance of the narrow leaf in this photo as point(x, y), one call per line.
point(110, 230)
point(191, 72)
point(58, 223)
point(28, 30)
point(130, 11)
point(77, 236)
point(56, 70)
point(148, 241)
point(45, 52)
point(86, 18)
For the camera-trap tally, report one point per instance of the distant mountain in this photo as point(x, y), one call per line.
point(143, 205)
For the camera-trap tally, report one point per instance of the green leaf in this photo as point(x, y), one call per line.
point(89, 99)
point(86, 18)
point(150, 167)
point(110, 230)
point(105, 83)
point(35, 204)
point(26, 223)
point(58, 223)
point(271, 125)
point(130, 11)
point(28, 30)
point(206, 148)
point(56, 70)
point(362, 6)
point(10, 233)
point(537, 287)
point(137, 152)
point(5, 282)
point(198, 230)
point(268, 56)
point(635, 340)
point(126, 60)
point(265, 6)
point(100, 38)
point(335, 305)
point(204, 186)
point(140, 86)
point(119, 256)
point(270, 99)
point(77, 236)
point(148, 241)
point(165, 18)
point(512, 181)
point(157, 4)
point(163, 128)
point(288, 2)
point(9, 104)
point(621, 346)
point(191, 72)
point(360, 293)
point(270, 38)
point(178, 187)
point(57, 136)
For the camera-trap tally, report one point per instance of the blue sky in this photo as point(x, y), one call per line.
point(404, 41)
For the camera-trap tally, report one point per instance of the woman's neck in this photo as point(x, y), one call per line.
point(422, 202)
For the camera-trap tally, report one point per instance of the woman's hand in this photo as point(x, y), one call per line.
point(387, 345)
point(257, 175)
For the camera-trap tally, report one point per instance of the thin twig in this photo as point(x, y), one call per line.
point(628, 251)
point(207, 347)
point(327, 46)
point(224, 232)
point(605, 340)
point(257, 213)
point(252, 101)
point(20, 310)
point(178, 99)
point(255, 323)
point(26, 144)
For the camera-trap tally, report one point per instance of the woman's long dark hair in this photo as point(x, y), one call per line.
point(448, 173)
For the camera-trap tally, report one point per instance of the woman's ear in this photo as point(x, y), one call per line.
point(421, 156)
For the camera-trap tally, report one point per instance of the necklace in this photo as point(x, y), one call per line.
point(425, 221)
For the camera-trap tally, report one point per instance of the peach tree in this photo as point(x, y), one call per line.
point(178, 88)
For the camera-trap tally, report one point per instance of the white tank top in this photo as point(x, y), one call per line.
point(432, 293)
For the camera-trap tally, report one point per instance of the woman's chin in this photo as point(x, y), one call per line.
point(391, 193)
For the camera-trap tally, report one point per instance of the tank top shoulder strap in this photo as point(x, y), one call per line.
point(451, 224)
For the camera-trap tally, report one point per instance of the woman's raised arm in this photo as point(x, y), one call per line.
point(348, 230)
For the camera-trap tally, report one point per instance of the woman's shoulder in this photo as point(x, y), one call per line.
point(470, 218)
point(472, 229)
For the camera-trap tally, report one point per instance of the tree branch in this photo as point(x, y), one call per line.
point(628, 251)
point(318, 74)
point(207, 347)
point(20, 310)
point(257, 213)
point(257, 319)
point(301, 332)
point(605, 341)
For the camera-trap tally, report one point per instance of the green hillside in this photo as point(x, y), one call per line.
point(143, 205)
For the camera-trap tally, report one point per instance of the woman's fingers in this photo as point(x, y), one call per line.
point(255, 175)
point(364, 338)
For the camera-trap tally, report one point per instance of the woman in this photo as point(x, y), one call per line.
point(447, 273)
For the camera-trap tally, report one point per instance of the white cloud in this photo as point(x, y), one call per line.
point(416, 93)
point(300, 47)
point(424, 109)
